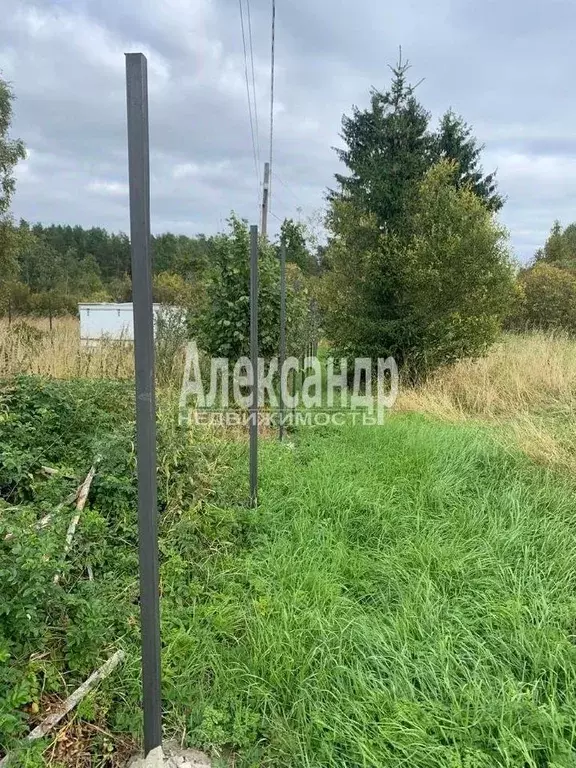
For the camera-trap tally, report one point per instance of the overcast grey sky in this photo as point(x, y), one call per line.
point(507, 66)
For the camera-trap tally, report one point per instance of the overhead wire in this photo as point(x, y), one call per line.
point(298, 208)
point(254, 99)
point(246, 76)
point(272, 75)
point(289, 188)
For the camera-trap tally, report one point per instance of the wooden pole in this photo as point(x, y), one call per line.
point(265, 197)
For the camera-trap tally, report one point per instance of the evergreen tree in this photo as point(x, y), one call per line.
point(559, 250)
point(455, 141)
point(388, 150)
point(569, 236)
point(429, 296)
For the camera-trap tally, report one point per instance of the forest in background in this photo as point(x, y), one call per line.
point(57, 266)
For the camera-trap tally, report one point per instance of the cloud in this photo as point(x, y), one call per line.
point(112, 188)
point(503, 66)
point(201, 171)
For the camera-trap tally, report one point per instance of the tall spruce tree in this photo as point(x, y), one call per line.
point(455, 141)
point(419, 268)
point(388, 150)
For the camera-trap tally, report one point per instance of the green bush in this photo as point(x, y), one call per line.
point(53, 303)
point(57, 423)
point(546, 299)
point(54, 634)
point(14, 298)
point(223, 330)
point(171, 288)
point(429, 294)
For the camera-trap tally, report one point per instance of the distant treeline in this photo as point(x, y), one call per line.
point(57, 266)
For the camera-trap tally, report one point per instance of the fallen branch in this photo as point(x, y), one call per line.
point(72, 701)
point(43, 522)
point(80, 504)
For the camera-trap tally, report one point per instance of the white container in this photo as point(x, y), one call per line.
point(108, 321)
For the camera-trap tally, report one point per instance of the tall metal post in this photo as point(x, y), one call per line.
point(254, 362)
point(139, 177)
point(265, 199)
point(282, 331)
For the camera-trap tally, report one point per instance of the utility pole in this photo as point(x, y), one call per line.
point(265, 197)
point(139, 178)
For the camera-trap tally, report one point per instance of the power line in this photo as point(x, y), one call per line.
point(289, 188)
point(272, 64)
point(284, 202)
point(255, 102)
point(249, 99)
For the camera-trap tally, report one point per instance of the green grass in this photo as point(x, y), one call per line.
point(404, 596)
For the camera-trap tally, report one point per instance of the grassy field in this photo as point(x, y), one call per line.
point(525, 387)
point(405, 597)
point(402, 596)
point(29, 346)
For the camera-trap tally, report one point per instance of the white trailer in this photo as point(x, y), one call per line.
point(114, 321)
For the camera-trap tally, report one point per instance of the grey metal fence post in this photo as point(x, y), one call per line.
point(139, 177)
point(282, 331)
point(254, 361)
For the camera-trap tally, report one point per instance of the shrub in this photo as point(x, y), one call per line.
point(223, 330)
point(171, 288)
point(53, 303)
point(14, 298)
point(546, 299)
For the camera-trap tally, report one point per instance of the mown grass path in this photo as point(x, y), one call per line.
point(405, 595)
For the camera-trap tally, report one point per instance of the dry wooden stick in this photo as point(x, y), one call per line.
point(43, 522)
point(73, 700)
point(80, 504)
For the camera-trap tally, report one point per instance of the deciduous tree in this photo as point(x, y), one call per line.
point(11, 151)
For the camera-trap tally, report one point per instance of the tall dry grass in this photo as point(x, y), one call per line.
point(29, 346)
point(526, 384)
